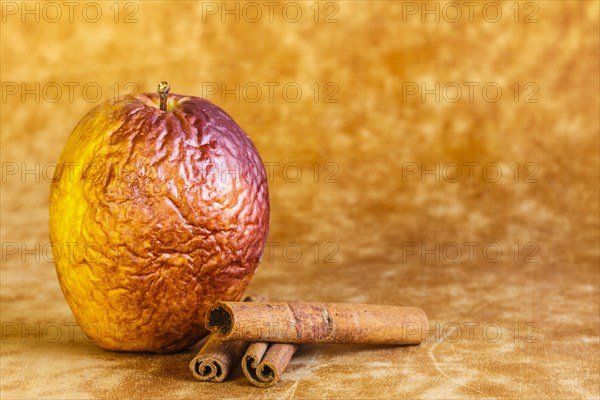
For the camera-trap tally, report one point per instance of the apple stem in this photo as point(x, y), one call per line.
point(163, 93)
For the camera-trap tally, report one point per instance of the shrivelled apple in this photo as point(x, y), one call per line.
point(164, 207)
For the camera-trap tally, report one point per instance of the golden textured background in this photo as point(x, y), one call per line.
point(367, 214)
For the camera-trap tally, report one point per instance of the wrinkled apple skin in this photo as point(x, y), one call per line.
point(154, 215)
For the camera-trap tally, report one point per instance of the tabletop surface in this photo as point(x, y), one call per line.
point(398, 176)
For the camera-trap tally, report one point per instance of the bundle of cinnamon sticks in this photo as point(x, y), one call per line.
point(265, 336)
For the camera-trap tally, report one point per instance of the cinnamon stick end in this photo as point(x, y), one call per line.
point(207, 370)
point(219, 319)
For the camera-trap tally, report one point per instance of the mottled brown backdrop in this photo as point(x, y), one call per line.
point(436, 154)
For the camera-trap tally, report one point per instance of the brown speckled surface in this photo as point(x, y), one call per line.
point(364, 210)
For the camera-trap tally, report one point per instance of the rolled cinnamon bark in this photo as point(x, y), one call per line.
point(264, 363)
point(218, 357)
point(300, 322)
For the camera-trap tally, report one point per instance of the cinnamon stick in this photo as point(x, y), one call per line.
point(264, 363)
point(300, 322)
point(218, 357)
